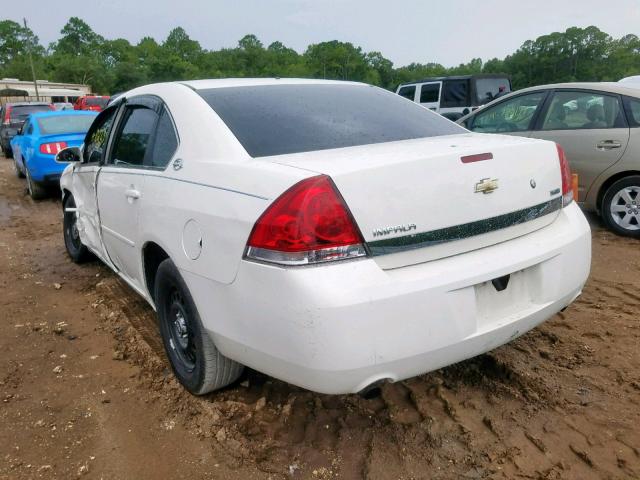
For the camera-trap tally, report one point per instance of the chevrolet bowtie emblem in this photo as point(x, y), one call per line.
point(486, 185)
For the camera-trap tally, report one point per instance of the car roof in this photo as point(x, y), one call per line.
point(18, 104)
point(250, 82)
point(456, 77)
point(62, 113)
point(611, 87)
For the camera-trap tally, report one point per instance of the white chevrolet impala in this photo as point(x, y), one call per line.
point(330, 234)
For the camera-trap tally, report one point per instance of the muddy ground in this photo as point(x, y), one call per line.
point(85, 389)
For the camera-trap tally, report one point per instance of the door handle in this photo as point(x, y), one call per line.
point(608, 145)
point(132, 193)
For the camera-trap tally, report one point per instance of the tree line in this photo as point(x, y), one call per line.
point(80, 55)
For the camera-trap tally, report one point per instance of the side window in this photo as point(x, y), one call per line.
point(133, 136)
point(165, 143)
point(633, 111)
point(513, 115)
point(29, 129)
point(408, 92)
point(430, 93)
point(25, 128)
point(95, 142)
point(583, 110)
point(455, 93)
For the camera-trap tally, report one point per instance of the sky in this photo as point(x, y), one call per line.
point(447, 32)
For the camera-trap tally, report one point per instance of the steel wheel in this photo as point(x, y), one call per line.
point(182, 339)
point(625, 208)
point(194, 359)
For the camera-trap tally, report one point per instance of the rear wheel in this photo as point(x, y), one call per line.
point(195, 360)
point(8, 152)
point(621, 206)
point(36, 190)
point(17, 170)
point(76, 250)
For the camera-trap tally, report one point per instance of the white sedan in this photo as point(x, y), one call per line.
point(330, 234)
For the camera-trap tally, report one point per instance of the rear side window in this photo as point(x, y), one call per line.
point(633, 109)
point(408, 92)
point(430, 93)
point(21, 112)
point(282, 119)
point(165, 143)
point(455, 93)
point(132, 139)
point(578, 110)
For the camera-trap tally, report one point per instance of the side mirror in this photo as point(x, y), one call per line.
point(69, 154)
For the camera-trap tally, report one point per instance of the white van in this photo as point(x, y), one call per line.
point(453, 97)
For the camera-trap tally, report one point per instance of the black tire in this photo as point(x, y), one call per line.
point(8, 152)
point(17, 170)
point(620, 207)
point(195, 360)
point(76, 250)
point(36, 190)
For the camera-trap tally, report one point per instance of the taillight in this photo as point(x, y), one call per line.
point(52, 148)
point(309, 223)
point(7, 115)
point(567, 181)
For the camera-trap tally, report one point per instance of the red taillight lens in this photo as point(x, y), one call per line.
point(309, 223)
point(52, 148)
point(565, 172)
point(7, 115)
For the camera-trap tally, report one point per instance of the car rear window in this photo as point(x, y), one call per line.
point(488, 88)
point(21, 112)
point(59, 124)
point(98, 101)
point(282, 119)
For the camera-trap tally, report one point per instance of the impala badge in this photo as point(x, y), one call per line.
point(378, 232)
point(486, 185)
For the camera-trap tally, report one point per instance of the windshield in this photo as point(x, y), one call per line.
point(281, 119)
point(98, 101)
point(489, 88)
point(21, 112)
point(57, 124)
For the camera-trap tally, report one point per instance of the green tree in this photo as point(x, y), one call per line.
point(78, 39)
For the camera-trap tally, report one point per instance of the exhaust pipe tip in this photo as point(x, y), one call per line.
point(374, 389)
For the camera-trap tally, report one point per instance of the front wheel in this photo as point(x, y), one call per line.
point(195, 360)
point(621, 206)
point(76, 250)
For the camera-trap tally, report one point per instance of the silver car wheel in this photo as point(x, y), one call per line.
point(625, 208)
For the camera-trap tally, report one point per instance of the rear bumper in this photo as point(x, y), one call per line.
point(44, 169)
point(338, 328)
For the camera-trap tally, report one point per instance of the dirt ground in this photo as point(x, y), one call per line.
point(85, 389)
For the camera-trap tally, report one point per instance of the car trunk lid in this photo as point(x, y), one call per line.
point(419, 200)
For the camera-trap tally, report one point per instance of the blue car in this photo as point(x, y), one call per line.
point(42, 136)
